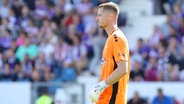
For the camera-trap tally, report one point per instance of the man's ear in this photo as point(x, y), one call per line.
point(110, 16)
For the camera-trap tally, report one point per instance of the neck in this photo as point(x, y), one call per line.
point(110, 29)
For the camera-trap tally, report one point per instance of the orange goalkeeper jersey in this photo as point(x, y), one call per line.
point(115, 50)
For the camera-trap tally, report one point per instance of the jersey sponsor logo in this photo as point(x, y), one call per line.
point(121, 55)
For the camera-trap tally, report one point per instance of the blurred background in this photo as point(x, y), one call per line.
point(50, 50)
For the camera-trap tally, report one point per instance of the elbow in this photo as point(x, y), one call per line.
point(123, 68)
point(125, 71)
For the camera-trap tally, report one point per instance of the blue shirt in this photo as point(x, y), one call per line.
point(165, 100)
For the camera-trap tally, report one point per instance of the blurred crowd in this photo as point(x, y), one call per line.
point(48, 40)
point(160, 98)
point(161, 57)
point(56, 40)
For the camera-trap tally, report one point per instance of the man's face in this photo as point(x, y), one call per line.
point(101, 18)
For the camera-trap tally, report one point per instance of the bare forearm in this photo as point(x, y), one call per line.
point(114, 77)
point(117, 74)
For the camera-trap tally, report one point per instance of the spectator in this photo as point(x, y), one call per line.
point(44, 98)
point(27, 67)
point(164, 58)
point(16, 7)
point(151, 68)
point(24, 19)
point(68, 57)
point(44, 29)
point(174, 33)
point(5, 40)
point(79, 53)
point(4, 8)
point(84, 7)
point(52, 36)
point(46, 48)
point(31, 29)
point(89, 20)
point(30, 4)
point(77, 21)
point(20, 40)
point(163, 53)
point(72, 31)
point(97, 44)
point(12, 20)
point(181, 28)
point(59, 15)
point(155, 38)
point(143, 49)
point(12, 66)
point(68, 19)
point(35, 76)
point(27, 48)
point(41, 9)
point(166, 26)
point(137, 99)
point(43, 66)
point(174, 48)
point(4, 25)
point(177, 15)
point(175, 101)
point(35, 25)
point(161, 98)
point(61, 50)
point(137, 72)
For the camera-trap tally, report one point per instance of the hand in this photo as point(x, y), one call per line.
point(96, 91)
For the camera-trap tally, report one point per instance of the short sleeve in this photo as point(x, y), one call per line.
point(120, 48)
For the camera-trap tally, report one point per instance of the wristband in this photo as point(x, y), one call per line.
point(103, 84)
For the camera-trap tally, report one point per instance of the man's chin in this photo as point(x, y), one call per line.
point(102, 27)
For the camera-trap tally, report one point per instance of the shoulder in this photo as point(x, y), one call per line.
point(118, 36)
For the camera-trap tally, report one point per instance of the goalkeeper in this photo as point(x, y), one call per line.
point(115, 59)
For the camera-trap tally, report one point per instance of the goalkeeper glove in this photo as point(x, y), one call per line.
point(96, 91)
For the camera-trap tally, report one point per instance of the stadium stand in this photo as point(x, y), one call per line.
point(58, 40)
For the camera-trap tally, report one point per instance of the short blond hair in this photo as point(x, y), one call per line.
point(110, 6)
